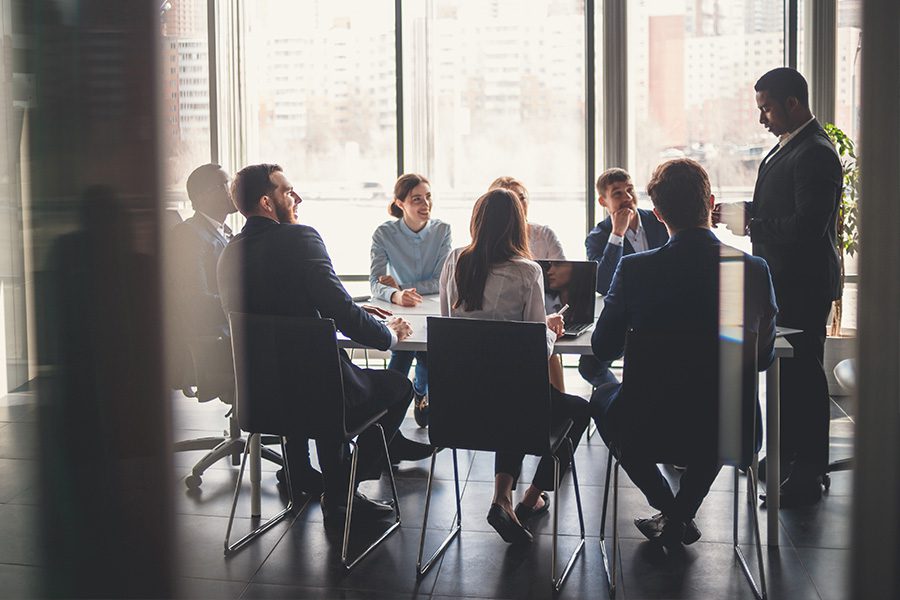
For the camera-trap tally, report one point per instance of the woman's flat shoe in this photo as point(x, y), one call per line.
point(524, 513)
point(509, 530)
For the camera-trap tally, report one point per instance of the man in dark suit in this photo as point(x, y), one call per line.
point(792, 221)
point(627, 229)
point(677, 286)
point(276, 266)
point(196, 245)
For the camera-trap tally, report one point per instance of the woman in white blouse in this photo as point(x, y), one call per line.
point(544, 245)
point(494, 278)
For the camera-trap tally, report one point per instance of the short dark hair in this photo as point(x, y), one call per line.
point(680, 192)
point(611, 176)
point(782, 83)
point(201, 180)
point(251, 184)
point(402, 188)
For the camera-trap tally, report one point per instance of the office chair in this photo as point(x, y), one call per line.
point(699, 409)
point(210, 375)
point(289, 383)
point(845, 374)
point(489, 390)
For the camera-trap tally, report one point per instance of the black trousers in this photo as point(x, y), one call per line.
point(562, 407)
point(393, 392)
point(805, 404)
point(595, 371)
point(696, 479)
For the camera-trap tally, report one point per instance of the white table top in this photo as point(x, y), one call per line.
point(418, 341)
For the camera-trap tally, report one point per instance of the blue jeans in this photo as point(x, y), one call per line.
point(401, 361)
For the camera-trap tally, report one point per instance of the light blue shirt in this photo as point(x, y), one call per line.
point(413, 259)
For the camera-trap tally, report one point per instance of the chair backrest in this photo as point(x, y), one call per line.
point(488, 385)
point(688, 395)
point(213, 372)
point(288, 375)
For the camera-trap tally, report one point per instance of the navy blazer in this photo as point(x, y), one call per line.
point(278, 269)
point(677, 286)
point(607, 255)
point(793, 218)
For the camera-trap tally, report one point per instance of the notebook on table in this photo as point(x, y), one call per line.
point(572, 282)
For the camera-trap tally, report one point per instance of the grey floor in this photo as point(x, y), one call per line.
point(300, 559)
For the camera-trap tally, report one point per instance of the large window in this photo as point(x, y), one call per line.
point(693, 65)
point(322, 103)
point(184, 109)
point(497, 88)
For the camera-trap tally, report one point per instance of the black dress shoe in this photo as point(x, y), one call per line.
point(363, 507)
point(524, 513)
point(402, 448)
point(691, 533)
point(651, 527)
point(306, 481)
point(672, 535)
point(509, 530)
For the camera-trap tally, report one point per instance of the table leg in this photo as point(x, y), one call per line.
point(255, 475)
point(773, 449)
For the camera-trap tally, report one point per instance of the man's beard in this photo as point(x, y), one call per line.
point(286, 215)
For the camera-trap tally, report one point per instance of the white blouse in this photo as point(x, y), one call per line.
point(543, 243)
point(514, 291)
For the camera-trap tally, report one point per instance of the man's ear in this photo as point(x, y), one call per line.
point(791, 103)
point(657, 215)
point(712, 201)
point(266, 204)
point(602, 201)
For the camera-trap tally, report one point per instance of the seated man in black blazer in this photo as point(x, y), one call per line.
point(676, 286)
point(196, 245)
point(276, 266)
point(627, 229)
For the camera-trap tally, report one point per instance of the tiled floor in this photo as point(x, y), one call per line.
point(299, 558)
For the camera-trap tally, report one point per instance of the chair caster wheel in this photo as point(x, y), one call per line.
point(826, 481)
point(192, 482)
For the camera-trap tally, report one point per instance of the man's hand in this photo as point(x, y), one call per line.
point(734, 216)
point(408, 297)
point(621, 220)
point(556, 323)
point(400, 326)
point(388, 281)
point(381, 313)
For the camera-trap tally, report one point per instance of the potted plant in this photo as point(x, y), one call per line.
point(841, 343)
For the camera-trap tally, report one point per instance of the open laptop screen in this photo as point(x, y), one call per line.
point(570, 282)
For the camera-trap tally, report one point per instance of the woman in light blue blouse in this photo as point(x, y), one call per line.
point(407, 256)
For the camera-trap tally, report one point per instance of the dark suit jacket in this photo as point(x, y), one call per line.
point(794, 212)
point(608, 255)
point(677, 287)
point(195, 250)
point(275, 269)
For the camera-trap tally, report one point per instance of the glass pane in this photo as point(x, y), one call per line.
point(497, 89)
point(321, 91)
point(185, 95)
point(693, 65)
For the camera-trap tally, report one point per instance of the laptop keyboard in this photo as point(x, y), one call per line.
point(575, 330)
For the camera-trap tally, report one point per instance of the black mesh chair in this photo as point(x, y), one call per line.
point(716, 414)
point(489, 390)
point(289, 383)
point(211, 375)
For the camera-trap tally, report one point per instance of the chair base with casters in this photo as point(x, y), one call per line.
point(556, 581)
point(845, 374)
point(610, 564)
point(221, 447)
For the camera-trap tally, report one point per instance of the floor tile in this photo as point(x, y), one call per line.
point(191, 588)
point(20, 581)
point(20, 534)
point(16, 476)
point(823, 525)
point(268, 591)
point(828, 568)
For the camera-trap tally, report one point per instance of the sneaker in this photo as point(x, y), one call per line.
point(420, 409)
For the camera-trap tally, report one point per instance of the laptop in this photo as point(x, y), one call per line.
point(572, 282)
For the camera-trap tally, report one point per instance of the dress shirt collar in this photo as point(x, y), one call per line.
point(787, 137)
point(223, 229)
point(419, 235)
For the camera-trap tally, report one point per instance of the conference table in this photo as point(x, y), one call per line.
point(430, 306)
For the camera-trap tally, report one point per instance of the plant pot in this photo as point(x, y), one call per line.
point(836, 350)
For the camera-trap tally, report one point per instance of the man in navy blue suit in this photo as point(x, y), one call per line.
point(676, 285)
point(627, 229)
point(276, 266)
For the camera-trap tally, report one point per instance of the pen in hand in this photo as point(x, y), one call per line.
point(563, 310)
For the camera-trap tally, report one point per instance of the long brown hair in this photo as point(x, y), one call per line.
point(498, 233)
